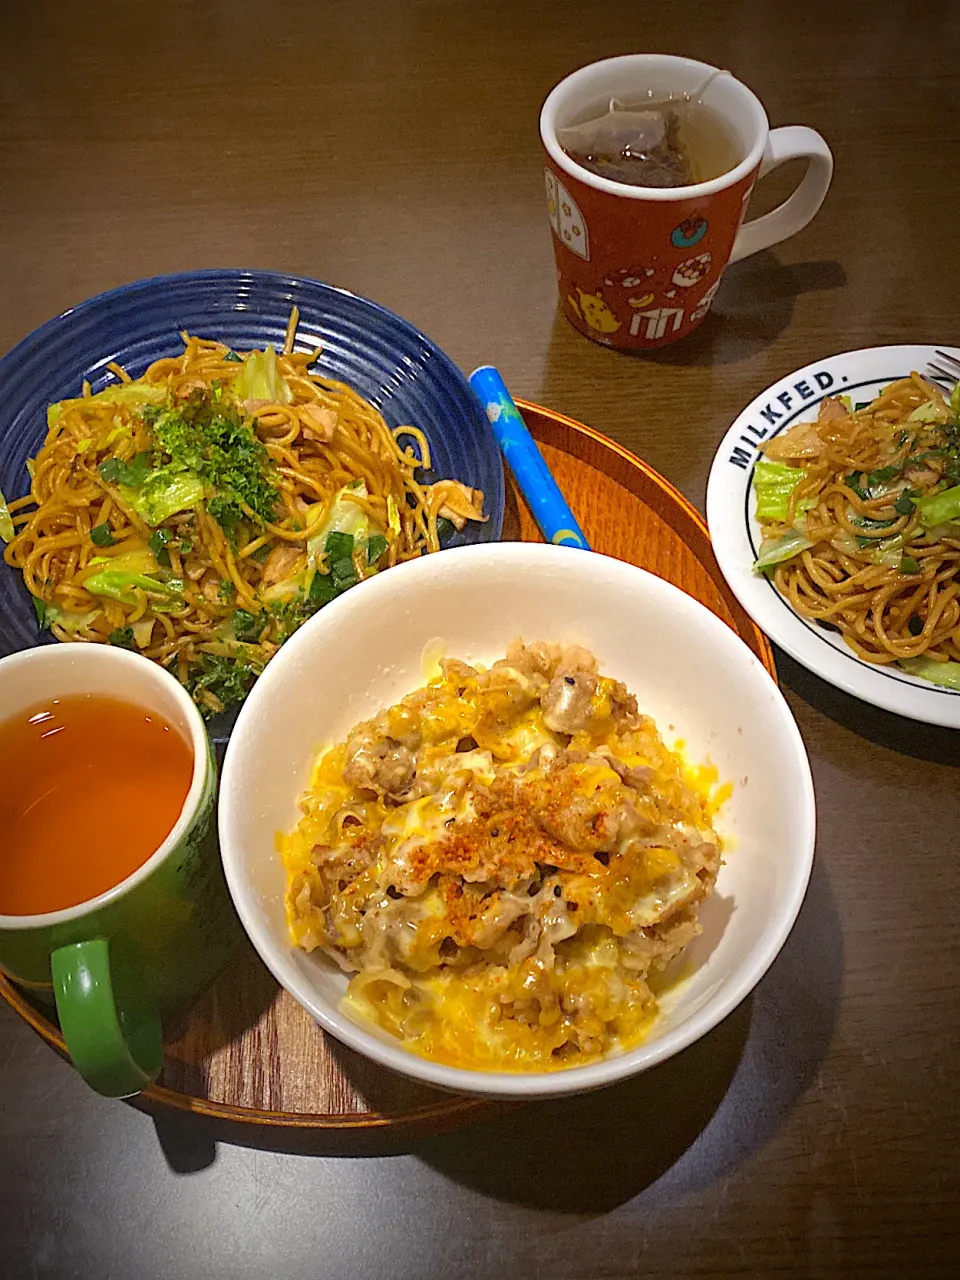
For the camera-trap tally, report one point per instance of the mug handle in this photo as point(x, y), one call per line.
point(117, 1048)
point(790, 142)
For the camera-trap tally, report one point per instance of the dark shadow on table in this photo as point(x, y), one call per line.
point(588, 1154)
point(686, 1122)
point(929, 742)
point(793, 1019)
point(753, 306)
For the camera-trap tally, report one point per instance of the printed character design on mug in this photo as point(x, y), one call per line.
point(568, 223)
point(692, 271)
point(690, 232)
point(633, 278)
point(657, 321)
point(703, 306)
point(594, 311)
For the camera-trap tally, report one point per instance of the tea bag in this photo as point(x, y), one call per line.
point(637, 145)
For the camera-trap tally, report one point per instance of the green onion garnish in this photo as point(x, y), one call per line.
point(133, 474)
point(339, 546)
point(101, 536)
point(322, 589)
point(376, 546)
point(158, 545)
point(342, 568)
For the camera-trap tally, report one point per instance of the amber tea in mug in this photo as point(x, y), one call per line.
point(654, 141)
point(91, 787)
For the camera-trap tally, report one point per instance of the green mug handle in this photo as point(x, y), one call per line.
point(117, 1046)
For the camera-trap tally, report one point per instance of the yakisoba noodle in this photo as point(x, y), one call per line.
point(212, 588)
point(860, 513)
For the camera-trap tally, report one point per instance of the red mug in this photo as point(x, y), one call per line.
point(638, 267)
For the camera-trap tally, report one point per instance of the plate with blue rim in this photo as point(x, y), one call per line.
point(390, 362)
point(731, 516)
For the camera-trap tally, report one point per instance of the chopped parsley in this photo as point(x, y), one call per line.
point(247, 627)
point(224, 681)
point(207, 436)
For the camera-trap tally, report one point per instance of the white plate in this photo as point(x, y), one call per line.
point(736, 535)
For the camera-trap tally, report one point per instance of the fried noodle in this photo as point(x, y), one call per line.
point(875, 572)
point(327, 444)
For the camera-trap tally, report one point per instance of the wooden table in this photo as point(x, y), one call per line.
point(392, 147)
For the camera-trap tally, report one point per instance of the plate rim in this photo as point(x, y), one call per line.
point(261, 274)
point(729, 521)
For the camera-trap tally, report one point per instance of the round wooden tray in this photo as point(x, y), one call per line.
point(247, 1052)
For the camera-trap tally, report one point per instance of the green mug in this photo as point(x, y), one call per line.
point(115, 964)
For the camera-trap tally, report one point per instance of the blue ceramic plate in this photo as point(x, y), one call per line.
point(402, 372)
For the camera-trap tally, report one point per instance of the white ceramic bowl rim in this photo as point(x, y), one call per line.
point(414, 577)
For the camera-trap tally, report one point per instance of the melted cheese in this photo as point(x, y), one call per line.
point(503, 843)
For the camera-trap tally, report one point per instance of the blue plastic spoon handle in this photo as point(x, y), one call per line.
point(532, 474)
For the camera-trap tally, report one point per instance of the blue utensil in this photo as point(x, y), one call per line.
point(532, 474)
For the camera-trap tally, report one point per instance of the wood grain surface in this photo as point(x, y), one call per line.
point(248, 1053)
point(391, 146)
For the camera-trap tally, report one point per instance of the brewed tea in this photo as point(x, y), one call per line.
point(90, 787)
point(669, 142)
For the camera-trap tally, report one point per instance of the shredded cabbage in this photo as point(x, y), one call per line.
point(119, 586)
point(164, 493)
point(116, 576)
point(70, 622)
point(929, 412)
point(939, 508)
point(260, 379)
point(344, 517)
point(774, 482)
point(776, 550)
point(137, 560)
point(142, 632)
point(7, 530)
point(946, 674)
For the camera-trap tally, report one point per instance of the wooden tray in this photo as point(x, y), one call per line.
point(248, 1053)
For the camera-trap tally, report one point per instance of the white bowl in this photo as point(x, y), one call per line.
point(689, 671)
